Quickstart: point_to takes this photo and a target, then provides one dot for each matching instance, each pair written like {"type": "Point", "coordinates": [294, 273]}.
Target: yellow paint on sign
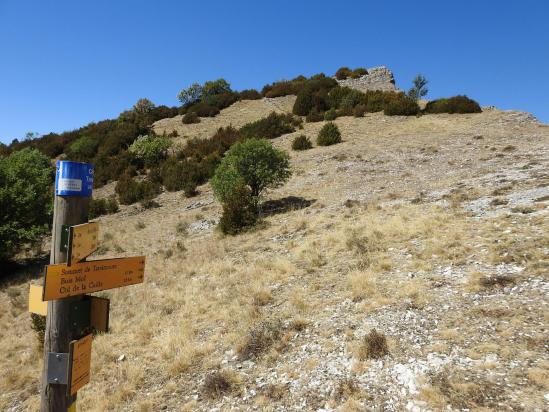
{"type": "Point", "coordinates": [62, 281]}
{"type": "Point", "coordinates": [36, 304]}
{"type": "Point", "coordinates": [80, 362]}
{"type": "Point", "coordinates": [83, 241]}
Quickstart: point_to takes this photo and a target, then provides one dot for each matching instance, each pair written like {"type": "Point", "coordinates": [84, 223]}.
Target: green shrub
{"type": "Point", "coordinates": [143, 106]}
{"type": "Point", "coordinates": [249, 94]}
{"type": "Point", "coordinates": [359, 110]}
{"type": "Point", "coordinates": [239, 211]}
{"type": "Point", "coordinates": [99, 207]}
{"type": "Point", "coordinates": [26, 195]}
{"type": "Point", "coordinates": [189, 189]}
{"type": "Point", "coordinates": [203, 109]}
{"type": "Point", "coordinates": [284, 87]}
{"type": "Point", "coordinates": [38, 325]}
{"type": "Point", "coordinates": [83, 149]}
{"type": "Point", "coordinates": [176, 174]}
{"type": "Point", "coordinates": [404, 106]}
{"type": "Point", "coordinates": [359, 72]}
{"type": "Point", "coordinates": [301, 142]}
{"type": "Point", "coordinates": [351, 99]}
{"type": "Point", "coordinates": [216, 145]}
{"type": "Point", "coordinates": [109, 168]}
{"type": "Point", "coordinates": [328, 135]}
{"type": "Point", "coordinates": [274, 125]}
{"type": "Point", "coordinates": [304, 102]}
{"type": "Point", "coordinates": [254, 162]}
{"type": "Point", "coordinates": [190, 118]}
{"type": "Point", "coordinates": [151, 150]}
{"type": "Point", "coordinates": [314, 116]}
{"type": "Point", "coordinates": [375, 101]}
{"type": "Point", "coordinates": [130, 190]}
{"type": "Point", "coordinates": [222, 100]}
{"type": "Point", "coordinates": [330, 115]}
{"type": "Point", "coordinates": [455, 104]}
{"type": "Point", "coordinates": [345, 111]}
{"type": "Point", "coordinates": [215, 87]}
{"type": "Point", "coordinates": [342, 73]}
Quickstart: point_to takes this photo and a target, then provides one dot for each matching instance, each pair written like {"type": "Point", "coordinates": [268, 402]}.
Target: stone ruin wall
{"type": "Point", "coordinates": [378, 78]}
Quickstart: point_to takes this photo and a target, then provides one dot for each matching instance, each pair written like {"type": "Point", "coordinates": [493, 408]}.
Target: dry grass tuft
{"type": "Point", "coordinates": [462, 396]}
{"type": "Point", "coordinates": [374, 346]}
{"type": "Point", "coordinates": [260, 339]}
{"type": "Point", "coordinates": [345, 389]}
{"type": "Point", "coordinates": [275, 392]}
{"type": "Point", "coordinates": [219, 383]}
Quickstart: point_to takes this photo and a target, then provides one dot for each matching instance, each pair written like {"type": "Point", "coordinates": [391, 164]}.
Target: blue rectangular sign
{"type": "Point", "coordinates": [73, 179]}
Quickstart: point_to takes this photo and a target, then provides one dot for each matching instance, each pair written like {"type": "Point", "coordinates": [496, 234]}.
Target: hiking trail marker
{"type": "Point", "coordinates": [71, 314]}
{"type": "Point", "coordinates": [82, 241]}
{"type": "Point", "coordinates": [62, 281]}
{"type": "Point", "coordinates": [79, 364]}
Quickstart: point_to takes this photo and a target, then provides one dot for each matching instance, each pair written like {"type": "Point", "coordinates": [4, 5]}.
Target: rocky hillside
{"type": "Point", "coordinates": [403, 269]}
{"type": "Point", "coordinates": [378, 78]}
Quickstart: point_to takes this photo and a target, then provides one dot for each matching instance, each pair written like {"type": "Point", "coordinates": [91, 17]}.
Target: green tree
{"type": "Point", "coordinates": [213, 87]}
{"type": "Point", "coordinates": [83, 149]}
{"type": "Point", "coordinates": [150, 149]}
{"type": "Point", "coordinates": [143, 106]}
{"type": "Point", "coordinates": [190, 95]}
{"type": "Point", "coordinates": [256, 163]}
{"type": "Point", "coordinates": [419, 88]}
{"type": "Point", "coordinates": [26, 178]}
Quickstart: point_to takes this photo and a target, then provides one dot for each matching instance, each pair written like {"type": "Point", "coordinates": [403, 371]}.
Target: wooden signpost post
{"type": "Point", "coordinates": [70, 313]}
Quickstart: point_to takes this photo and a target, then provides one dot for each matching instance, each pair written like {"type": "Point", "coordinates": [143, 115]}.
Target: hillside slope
{"type": "Point", "coordinates": [238, 114]}
{"type": "Point", "coordinates": [433, 231]}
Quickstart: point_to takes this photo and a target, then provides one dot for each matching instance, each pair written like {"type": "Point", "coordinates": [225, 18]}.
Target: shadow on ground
{"type": "Point", "coordinates": [286, 204]}
{"type": "Point", "coordinates": [21, 271]}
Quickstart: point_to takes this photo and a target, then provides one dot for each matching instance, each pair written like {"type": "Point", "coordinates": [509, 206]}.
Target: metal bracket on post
{"type": "Point", "coordinates": [58, 368]}
{"type": "Point", "coordinates": [65, 230]}
{"type": "Point", "coordinates": [80, 316]}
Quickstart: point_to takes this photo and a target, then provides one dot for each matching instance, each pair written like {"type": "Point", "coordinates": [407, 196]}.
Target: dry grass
{"type": "Point", "coordinates": [316, 275]}
{"type": "Point", "coordinates": [374, 346]}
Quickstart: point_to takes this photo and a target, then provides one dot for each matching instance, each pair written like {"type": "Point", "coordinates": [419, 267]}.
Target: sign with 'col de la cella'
{"type": "Point", "coordinates": [73, 178]}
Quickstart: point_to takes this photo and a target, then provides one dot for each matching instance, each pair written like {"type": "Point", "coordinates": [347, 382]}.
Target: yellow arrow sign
{"type": "Point", "coordinates": [83, 241]}
{"type": "Point", "coordinates": [62, 281]}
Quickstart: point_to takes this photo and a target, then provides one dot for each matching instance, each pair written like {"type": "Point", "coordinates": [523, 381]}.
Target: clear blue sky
{"type": "Point", "coordinates": [64, 63]}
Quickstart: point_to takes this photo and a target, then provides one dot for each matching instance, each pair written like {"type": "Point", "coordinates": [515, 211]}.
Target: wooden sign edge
{"type": "Point", "coordinates": [72, 343]}
{"type": "Point", "coordinates": [44, 312]}
{"type": "Point", "coordinates": [69, 242]}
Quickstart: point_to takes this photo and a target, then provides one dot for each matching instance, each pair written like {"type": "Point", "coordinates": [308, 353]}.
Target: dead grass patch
{"type": "Point", "coordinates": [219, 383]}
{"type": "Point", "coordinates": [460, 394]}
{"type": "Point", "coordinates": [374, 346]}
{"type": "Point", "coordinates": [260, 339]}
{"type": "Point", "coordinates": [345, 389]}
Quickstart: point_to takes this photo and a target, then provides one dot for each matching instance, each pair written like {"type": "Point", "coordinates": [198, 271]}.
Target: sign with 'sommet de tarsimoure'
{"type": "Point", "coordinates": [62, 281]}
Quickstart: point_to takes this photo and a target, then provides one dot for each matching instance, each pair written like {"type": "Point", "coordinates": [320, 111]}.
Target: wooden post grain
{"type": "Point", "coordinates": [68, 210]}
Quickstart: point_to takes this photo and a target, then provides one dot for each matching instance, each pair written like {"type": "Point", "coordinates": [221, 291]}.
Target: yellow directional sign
{"type": "Point", "coordinates": [79, 363]}
{"type": "Point", "coordinates": [36, 304]}
{"type": "Point", "coordinates": [83, 241]}
{"type": "Point", "coordinates": [62, 281]}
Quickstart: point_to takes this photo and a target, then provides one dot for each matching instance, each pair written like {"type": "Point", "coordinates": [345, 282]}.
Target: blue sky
{"type": "Point", "coordinates": [64, 64]}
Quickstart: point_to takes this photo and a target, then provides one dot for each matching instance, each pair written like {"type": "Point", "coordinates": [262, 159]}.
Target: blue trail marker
{"type": "Point", "coordinates": [73, 179]}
